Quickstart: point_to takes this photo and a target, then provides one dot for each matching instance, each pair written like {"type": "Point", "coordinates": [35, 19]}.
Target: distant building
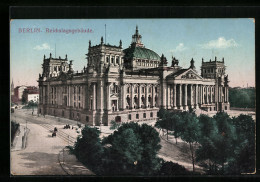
{"type": "Point", "coordinates": [129, 84]}
{"type": "Point", "coordinates": [12, 88]}
{"type": "Point", "coordinates": [18, 92]}
{"type": "Point", "coordinates": [31, 94]}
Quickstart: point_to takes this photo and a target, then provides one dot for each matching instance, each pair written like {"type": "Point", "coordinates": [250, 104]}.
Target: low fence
{"type": "Point", "coordinates": [242, 109]}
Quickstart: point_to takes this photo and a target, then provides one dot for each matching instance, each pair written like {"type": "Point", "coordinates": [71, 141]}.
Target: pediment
{"type": "Point", "coordinates": [114, 96]}
{"type": "Point", "coordinates": [189, 74]}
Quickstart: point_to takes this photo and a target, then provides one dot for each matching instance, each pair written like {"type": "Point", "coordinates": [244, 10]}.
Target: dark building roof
{"type": "Point", "coordinates": [140, 52]}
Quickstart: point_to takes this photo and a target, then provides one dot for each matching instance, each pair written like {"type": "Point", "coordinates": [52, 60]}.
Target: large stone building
{"type": "Point", "coordinates": [128, 85]}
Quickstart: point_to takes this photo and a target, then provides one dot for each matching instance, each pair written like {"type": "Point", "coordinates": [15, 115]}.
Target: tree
{"type": "Point", "coordinates": [191, 134]}
{"type": "Point", "coordinates": [244, 159]}
{"type": "Point", "coordinates": [137, 147]}
{"type": "Point", "coordinates": [225, 142]}
{"type": "Point", "coordinates": [170, 169]}
{"type": "Point", "coordinates": [165, 121]}
{"type": "Point", "coordinates": [114, 125]}
{"type": "Point", "coordinates": [207, 148]}
{"type": "Point", "coordinates": [177, 126]}
{"type": "Point", "coordinates": [88, 149]}
{"type": "Point", "coordinates": [208, 126]}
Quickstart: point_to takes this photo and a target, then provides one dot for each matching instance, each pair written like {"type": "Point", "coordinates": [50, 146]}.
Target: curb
{"type": "Point", "coordinates": [69, 169]}
{"type": "Point", "coordinates": [62, 164]}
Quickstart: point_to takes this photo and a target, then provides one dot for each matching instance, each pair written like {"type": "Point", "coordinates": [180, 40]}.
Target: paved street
{"type": "Point", "coordinates": [40, 157]}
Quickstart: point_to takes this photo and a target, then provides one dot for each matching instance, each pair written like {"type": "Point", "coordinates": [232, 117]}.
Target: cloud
{"type": "Point", "coordinates": [179, 48]}
{"type": "Point", "coordinates": [220, 43]}
{"type": "Point", "coordinates": [44, 46]}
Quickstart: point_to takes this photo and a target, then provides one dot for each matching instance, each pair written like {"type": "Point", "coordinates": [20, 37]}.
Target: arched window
{"type": "Point", "coordinates": [135, 89]}
{"type": "Point", "coordinates": [150, 89]}
{"type": "Point", "coordinates": [128, 100]}
{"type": "Point", "coordinates": [135, 100]}
{"type": "Point", "coordinates": [118, 119]}
{"type": "Point", "coordinates": [149, 99]}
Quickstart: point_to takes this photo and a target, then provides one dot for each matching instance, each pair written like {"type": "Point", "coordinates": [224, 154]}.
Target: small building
{"type": "Point", "coordinates": [31, 94]}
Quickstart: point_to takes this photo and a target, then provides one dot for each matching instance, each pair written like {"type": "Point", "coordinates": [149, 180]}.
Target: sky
{"type": "Point", "coordinates": [233, 39]}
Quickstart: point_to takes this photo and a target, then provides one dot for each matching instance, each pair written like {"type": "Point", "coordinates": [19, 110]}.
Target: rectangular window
{"type": "Point", "coordinates": [137, 116]}
{"type": "Point", "coordinates": [144, 115]}
{"type": "Point", "coordinates": [151, 114]}
{"type": "Point", "coordinates": [79, 97]}
{"type": "Point", "coordinates": [87, 118]}
{"type": "Point", "coordinates": [74, 104]}
{"type": "Point", "coordinates": [79, 105]}
{"type": "Point", "coordinates": [142, 89]}
{"type": "Point", "coordinates": [129, 116]}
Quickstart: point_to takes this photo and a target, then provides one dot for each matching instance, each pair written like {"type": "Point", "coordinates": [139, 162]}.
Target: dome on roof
{"type": "Point", "coordinates": [140, 52]}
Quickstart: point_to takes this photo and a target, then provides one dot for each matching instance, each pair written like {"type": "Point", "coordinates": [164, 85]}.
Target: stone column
{"type": "Point", "coordinates": [180, 96]}
{"type": "Point", "coordinates": [174, 96]}
{"type": "Point", "coordinates": [108, 96]}
{"type": "Point", "coordinates": [202, 94]}
{"type": "Point", "coordinates": [197, 96]}
{"type": "Point", "coordinates": [185, 97]}
{"type": "Point", "coordinates": [220, 94]}
{"type": "Point", "coordinates": [168, 96]}
{"type": "Point", "coordinates": [207, 93]}
{"type": "Point", "coordinates": [139, 97]}
{"type": "Point", "coordinates": [100, 96]}
{"type": "Point", "coordinates": [132, 97]}
{"type": "Point", "coordinates": [94, 97]}
{"type": "Point", "coordinates": [146, 96]}
{"type": "Point", "coordinates": [191, 96]}
{"type": "Point", "coordinates": [171, 96]}
{"type": "Point", "coordinates": [153, 95]}
{"type": "Point", "coordinates": [227, 95]}
{"type": "Point", "coordinates": [123, 96]}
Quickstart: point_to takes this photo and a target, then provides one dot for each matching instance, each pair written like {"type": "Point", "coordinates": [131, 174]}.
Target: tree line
{"type": "Point", "coordinates": [131, 150]}
{"type": "Point", "coordinates": [242, 98]}
{"type": "Point", "coordinates": [223, 145]}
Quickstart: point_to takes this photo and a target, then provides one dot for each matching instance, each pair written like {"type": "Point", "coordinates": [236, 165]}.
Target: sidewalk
{"type": "Point", "coordinates": [19, 142]}
{"type": "Point", "coordinates": [71, 165]}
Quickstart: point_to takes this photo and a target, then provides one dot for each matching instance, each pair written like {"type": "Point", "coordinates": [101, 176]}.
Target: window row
{"type": "Point", "coordinates": [136, 89]}
{"type": "Point", "coordinates": [137, 116]}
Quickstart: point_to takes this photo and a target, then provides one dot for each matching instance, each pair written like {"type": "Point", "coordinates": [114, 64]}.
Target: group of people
{"type": "Point", "coordinates": [67, 126]}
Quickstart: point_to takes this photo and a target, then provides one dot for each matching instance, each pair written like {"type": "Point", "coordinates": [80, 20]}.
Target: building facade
{"type": "Point", "coordinates": [129, 84]}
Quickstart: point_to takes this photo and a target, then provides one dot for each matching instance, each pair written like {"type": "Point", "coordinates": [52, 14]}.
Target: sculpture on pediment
{"type": "Point", "coordinates": [189, 75]}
